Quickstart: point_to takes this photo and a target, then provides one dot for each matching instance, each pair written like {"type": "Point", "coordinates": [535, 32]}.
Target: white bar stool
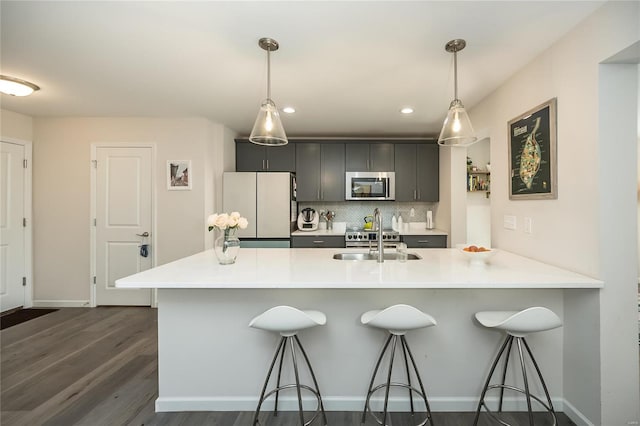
{"type": "Point", "coordinates": [287, 321]}
{"type": "Point", "coordinates": [397, 320]}
{"type": "Point", "coordinates": [517, 324]}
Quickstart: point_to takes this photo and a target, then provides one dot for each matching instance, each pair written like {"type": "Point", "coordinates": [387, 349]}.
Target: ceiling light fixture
{"type": "Point", "coordinates": [16, 87]}
{"type": "Point", "coordinates": [407, 110]}
{"type": "Point", "coordinates": [289, 110]}
{"type": "Point", "coordinates": [457, 129]}
{"type": "Point", "coordinates": [268, 129]}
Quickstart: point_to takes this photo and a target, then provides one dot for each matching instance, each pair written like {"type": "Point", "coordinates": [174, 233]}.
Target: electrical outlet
{"type": "Point", "coordinates": [412, 212]}
{"type": "Point", "coordinates": [528, 225]}
{"type": "Point", "coordinates": [510, 222]}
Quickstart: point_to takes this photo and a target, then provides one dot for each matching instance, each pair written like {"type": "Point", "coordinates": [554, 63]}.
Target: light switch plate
{"type": "Point", "coordinates": [528, 225]}
{"type": "Point", "coordinates": [510, 222]}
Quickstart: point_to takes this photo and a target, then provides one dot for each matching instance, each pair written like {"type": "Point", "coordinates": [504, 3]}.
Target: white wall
{"type": "Point", "coordinates": [478, 204]}
{"type": "Point", "coordinates": [15, 126]}
{"type": "Point", "coordinates": [61, 174]}
{"type": "Point", "coordinates": [451, 214]}
{"type": "Point", "coordinates": [220, 157]}
{"type": "Point", "coordinates": [567, 231]}
{"type": "Point", "coordinates": [618, 256]}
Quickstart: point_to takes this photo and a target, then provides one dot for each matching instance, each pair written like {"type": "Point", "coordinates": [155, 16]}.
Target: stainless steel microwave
{"type": "Point", "coordinates": [370, 186]}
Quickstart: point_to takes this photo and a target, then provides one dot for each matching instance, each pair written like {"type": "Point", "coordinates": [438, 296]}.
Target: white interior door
{"type": "Point", "coordinates": [12, 231]}
{"type": "Point", "coordinates": [123, 216]}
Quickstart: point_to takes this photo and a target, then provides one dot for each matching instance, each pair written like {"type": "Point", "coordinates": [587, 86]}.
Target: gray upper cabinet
{"type": "Point", "coordinates": [332, 165]}
{"type": "Point", "coordinates": [417, 172]}
{"type": "Point", "coordinates": [320, 171]}
{"type": "Point", "coordinates": [369, 157]}
{"type": "Point", "coordinates": [259, 158]}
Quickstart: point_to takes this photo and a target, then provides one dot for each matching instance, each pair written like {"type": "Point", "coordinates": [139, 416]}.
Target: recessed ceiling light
{"type": "Point", "coordinates": [289, 110]}
{"type": "Point", "coordinates": [407, 110]}
{"type": "Point", "coordinates": [16, 87]}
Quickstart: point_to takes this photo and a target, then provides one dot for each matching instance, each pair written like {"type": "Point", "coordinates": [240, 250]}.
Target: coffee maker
{"type": "Point", "coordinates": [308, 219]}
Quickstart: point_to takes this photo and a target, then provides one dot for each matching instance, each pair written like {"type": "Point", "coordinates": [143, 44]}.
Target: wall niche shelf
{"type": "Point", "coordinates": [479, 181]}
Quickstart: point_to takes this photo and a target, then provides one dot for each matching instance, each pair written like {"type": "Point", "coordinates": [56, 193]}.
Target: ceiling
{"type": "Point", "coordinates": [347, 67]}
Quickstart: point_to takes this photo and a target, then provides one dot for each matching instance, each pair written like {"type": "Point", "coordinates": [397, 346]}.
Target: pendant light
{"type": "Point", "coordinates": [16, 87]}
{"type": "Point", "coordinates": [457, 129]}
{"type": "Point", "coordinates": [268, 129]}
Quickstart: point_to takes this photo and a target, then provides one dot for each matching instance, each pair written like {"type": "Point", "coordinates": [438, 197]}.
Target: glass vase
{"type": "Point", "coordinates": [226, 247]}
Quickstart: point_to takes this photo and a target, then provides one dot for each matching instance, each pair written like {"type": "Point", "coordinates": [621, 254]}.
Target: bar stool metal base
{"type": "Point", "coordinates": [508, 343]}
{"type": "Point", "coordinates": [291, 342]}
{"type": "Point", "coordinates": [407, 355]}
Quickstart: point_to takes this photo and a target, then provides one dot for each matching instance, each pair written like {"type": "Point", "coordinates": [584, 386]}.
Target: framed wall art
{"type": "Point", "coordinates": [533, 169]}
{"type": "Point", "coordinates": [179, 175]}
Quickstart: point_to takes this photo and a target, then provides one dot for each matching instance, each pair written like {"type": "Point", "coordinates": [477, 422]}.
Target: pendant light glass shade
{"type": "Point", "coordinates": [457, 129]}
{"type": "Point", "coordinates": [16, 87]}
{"type": "Point", "coordinates": [268, 130]}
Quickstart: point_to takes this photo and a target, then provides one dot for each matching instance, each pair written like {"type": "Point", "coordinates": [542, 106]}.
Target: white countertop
{"type": "Point", "coordinates": [314, 268]}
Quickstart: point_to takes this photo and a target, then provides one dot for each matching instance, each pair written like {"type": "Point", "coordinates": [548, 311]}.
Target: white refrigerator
{"type": "Point", "coordinates": [267, 200]}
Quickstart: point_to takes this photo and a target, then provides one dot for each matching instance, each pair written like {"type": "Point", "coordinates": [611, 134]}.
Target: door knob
{"type": "Point", "coordinates": [144, 234]}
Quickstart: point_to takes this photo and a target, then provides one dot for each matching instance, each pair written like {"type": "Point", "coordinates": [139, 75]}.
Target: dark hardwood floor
{"type": "Point", "coordinates": [93, 367]}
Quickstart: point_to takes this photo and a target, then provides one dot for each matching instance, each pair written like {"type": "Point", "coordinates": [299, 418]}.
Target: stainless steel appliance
{"type": "Point", "coordinates": [364, 238]}
{"type": "Point", "coordinates": [308, 219]}
{"type": "Point", "coordinates": [370, 186]}
{"type": "Point", "coordinates": [267, 200]}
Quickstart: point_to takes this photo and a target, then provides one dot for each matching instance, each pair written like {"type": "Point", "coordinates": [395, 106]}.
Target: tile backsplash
{"type": "Point", "coordinates": [353, 212]}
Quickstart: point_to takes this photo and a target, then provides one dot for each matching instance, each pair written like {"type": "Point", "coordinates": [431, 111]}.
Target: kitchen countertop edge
{"type": "Point", "coordinates": [273, 268]}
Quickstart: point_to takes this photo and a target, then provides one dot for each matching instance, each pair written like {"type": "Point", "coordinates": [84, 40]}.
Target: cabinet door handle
{"type": "Point", "coordinates": [318, 242]}
{"type": "Point", "coordinates": [415, 194]}
{"type": "Point", "coordinates": [318, 196]}
{"type": "Point", "coordinates": [263, 164]}
{"type": "Point", "coordinates": [267, 164]}
{"type": "Point", "coordinates": [419, 195]}
{"type": "Point", "coordinates": [423, 241]}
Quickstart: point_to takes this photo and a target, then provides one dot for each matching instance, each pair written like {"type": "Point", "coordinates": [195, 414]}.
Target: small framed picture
{"type": "Point", "coordinates": [179, 175]}
{"type": "Point", "coordinates": [533, 169]}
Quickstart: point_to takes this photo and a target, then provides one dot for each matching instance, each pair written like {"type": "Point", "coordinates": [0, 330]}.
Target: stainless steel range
{"type": "Point", "coordinates": [362, 238]}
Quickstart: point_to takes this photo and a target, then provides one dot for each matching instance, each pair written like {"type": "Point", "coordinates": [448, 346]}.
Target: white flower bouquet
{"type": "Point", "coordinates": [226, 222]}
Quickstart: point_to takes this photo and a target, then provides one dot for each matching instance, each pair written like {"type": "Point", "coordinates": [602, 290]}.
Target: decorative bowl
{"type": "Point", "coordinates": [478, 257]}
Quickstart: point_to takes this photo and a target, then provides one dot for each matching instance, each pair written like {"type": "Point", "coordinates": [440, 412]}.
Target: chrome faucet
{"type": "Point", "coordinates": [377, 220]}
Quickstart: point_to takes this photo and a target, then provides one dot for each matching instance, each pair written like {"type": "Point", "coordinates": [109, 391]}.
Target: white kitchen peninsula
{"type": "Point", "coordinates": [209, 359]}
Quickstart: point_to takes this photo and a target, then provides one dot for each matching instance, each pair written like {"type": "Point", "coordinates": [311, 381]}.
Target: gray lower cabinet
{"type": "Point", "coordinates": [259, 158]}
{"type": "Point", "coordinates": [332, 241]}
{"type": "Point", "coordinates": [320, 172]}
{"type": "Point", "coordinates": [417, 172]}
{"type": "Point", "coordinates": [425, 241]}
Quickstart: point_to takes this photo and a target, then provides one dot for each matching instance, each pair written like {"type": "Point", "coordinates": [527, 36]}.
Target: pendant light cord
{"type": "Point", "coordinates": [269, 73]}
{"type": "Point", "coordinates": [455, 74]}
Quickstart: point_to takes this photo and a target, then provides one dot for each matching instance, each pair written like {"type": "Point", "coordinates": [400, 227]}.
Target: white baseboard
{"type": "Point", "coordinates": [61, 304]}
{"type": "Point", "coordinates": [290, 403]}
{"type": "Point", "coordinates": [576, 416]}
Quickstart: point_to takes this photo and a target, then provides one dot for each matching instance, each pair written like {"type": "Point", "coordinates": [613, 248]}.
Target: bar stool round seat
{"type": "Point", "coordinates": [397, 320]}
{"type": "Point", "coordinates": [288, 321]}
{"type": "Point", "coordinates": [520, 323]}
{"type": "Point", "coordinates": [517, 325]}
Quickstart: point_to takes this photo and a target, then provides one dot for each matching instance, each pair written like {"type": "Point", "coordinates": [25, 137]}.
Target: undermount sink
{"type": "Point", "coordinates": [372, 256]}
